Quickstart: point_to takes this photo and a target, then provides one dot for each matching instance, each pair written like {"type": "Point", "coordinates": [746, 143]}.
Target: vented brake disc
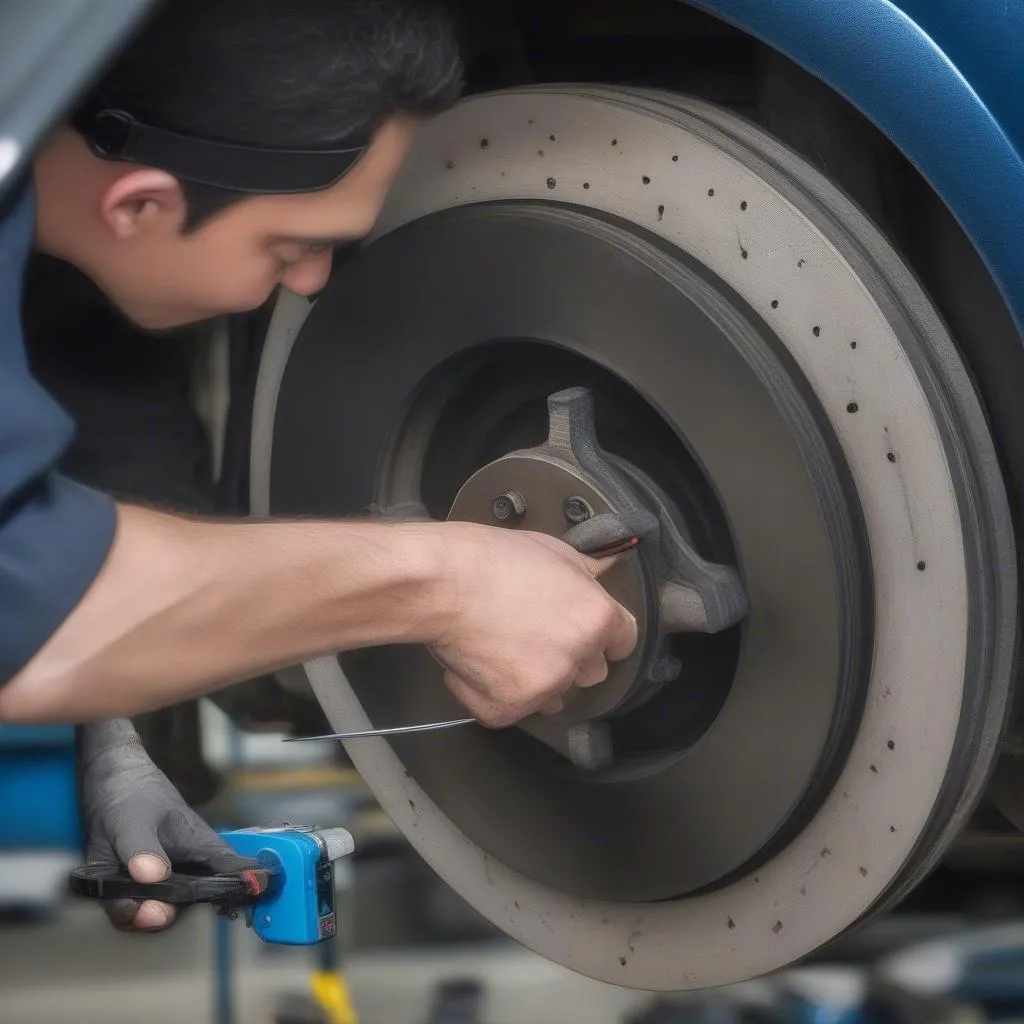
{"type": "Point", "coordinates": [769, 384]}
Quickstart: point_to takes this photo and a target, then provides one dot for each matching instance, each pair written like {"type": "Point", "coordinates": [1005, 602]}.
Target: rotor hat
{"type": "Point", "coordinates": [117, 135]}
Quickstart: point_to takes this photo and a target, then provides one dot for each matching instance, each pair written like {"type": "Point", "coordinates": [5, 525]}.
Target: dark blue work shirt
{"type": "Point", "coordinates": [54, 534]}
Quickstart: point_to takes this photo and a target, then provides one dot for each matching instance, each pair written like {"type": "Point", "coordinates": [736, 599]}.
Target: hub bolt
{"type": "Point", "coordinates": [508, 506]}
{"type": "Point", "coordinates": [577, 509]}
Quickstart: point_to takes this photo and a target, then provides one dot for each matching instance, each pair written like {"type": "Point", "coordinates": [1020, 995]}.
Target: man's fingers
{"type": "Point", "coordinates": [593, 671]}
{"type": "Point", "coordinates": [492, 714]}
{"type": "Point", "coordinates": [133, 916]}
{"type": "Point", "coordinates": [153, 916]}
{"type": "Point", "coordinates": [622, 636]}
{"type": "Point", "coordinates": [145, 866]}
{"type": "Point", "coordinates": [599, 566]}
{"type": "Point", "coordinates": [148, 867]}
{"type": "Point", "coordinates": [469, 697]}
{"type": "Point", "coordinates": [121, 913]}
{"type": "Point", "coordinates": [553, 706]}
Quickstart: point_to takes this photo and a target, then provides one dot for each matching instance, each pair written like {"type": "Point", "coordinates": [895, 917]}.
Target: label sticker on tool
{"type": "Point", "coordinates": [327, 925]}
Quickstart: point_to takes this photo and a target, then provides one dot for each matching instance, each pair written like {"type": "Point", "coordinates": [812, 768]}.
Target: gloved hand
{"type": "Point", "coordinates": [135, 818]}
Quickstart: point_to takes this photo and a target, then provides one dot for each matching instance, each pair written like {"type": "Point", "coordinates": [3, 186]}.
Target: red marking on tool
{"type": "Point", "coordinates": [254, 885]}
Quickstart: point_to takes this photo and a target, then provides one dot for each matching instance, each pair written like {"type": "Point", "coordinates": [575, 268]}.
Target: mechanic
{"type": "Point", "coordinates": [111, 608]}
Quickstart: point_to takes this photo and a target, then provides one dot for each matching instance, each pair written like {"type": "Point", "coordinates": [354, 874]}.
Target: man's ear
{"type": "Point", "coordinates": [141, 200]}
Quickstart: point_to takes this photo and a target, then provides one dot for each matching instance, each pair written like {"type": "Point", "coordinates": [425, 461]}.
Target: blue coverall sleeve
{"type": "Point", "coordinates": [55, 535]}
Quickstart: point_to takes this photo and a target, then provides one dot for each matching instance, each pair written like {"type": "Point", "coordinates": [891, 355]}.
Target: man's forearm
{"type": "Point", "coordinates": [183, 607]}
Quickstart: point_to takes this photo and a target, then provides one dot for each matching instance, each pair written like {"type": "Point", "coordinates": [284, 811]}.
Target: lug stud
{"type": "Point", "coordinates": [577, 510]}
{"type": "Point", "coordinates": [508, 506]}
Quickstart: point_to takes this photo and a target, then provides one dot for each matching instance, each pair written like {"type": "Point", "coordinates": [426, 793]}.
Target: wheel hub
{"type": "Point", "coordinates": [569, 487]}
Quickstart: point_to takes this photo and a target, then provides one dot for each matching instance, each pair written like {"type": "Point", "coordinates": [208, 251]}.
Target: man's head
{"type": "Point", "coordinates": [273, 74]}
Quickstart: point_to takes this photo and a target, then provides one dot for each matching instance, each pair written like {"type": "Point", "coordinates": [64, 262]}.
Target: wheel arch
{"type": "Point", "coordinates": [830, 44]}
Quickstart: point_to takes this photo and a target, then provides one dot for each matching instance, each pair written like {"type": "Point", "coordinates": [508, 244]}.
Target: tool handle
{"type": "Point", "coordinates": [227, 892]}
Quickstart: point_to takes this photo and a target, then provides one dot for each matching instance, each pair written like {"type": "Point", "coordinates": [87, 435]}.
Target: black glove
{"type": "Point", "coordinates": [135, 818]}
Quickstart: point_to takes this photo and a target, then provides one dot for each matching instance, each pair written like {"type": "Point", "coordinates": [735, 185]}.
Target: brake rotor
{"type": "Point", "coordinates": [756, 350]}
{"type": "Point", "coordinates": [758, 440]}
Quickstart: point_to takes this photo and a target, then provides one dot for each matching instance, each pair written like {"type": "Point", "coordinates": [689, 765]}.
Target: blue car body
{"type": "Point", "coordinates": [943, 79]}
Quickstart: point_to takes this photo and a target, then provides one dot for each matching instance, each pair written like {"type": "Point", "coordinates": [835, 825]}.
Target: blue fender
{"type": "Point", "coordinates": [943, 79]}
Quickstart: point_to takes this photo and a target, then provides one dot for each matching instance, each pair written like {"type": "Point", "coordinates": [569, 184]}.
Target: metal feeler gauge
{"type": "Point", "coordinates": [395, 731]}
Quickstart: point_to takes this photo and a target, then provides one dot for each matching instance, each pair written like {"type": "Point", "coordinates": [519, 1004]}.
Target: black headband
{"type": "Point", "coordinates": [116, 135]}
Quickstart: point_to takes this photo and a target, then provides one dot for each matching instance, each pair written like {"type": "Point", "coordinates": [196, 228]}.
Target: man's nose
{"type": "Point", "coordinates": [309, 275]}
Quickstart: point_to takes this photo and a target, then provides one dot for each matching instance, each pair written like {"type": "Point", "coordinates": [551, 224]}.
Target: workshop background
{"type": "Point", "coordinates": [408, 950]}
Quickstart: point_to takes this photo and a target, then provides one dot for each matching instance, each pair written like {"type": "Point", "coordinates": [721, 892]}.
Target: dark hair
{"type": "Point", "coordinates": [289, 73]}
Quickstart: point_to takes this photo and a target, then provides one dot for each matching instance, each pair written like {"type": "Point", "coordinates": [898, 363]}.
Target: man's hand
{"type": "Point", "coordinates": [184, 607]}
{"type": "Point", "coordinates": [134, 817]}
{"type": "Point", "coordinates": [522, 620]}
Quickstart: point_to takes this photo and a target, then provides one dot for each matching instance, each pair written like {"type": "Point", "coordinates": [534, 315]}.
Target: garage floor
{"type": "Point", "coordinates": [81, 970]}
